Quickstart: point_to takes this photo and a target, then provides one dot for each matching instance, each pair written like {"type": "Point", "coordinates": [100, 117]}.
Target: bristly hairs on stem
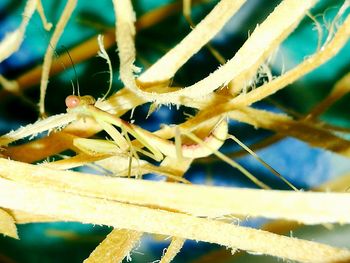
{"type": "Point", "coordinates": [103, 54]}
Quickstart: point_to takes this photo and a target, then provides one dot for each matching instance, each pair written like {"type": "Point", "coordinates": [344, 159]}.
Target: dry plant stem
{"type": "Point", "coordinates": [115, 247]}
{"type": "Point", "coordinates": [154, 16]}
{"type": "Point", "coordinates": [40, 9]}
{"type": "Point", "coordinates": [68, 10]}
{"type": "Point", "coordinates": [256, 49]}
{"type": "Point", "coordinates": [7, 225]}
{"type": "Point", "coordinates": [92, 210]}
{"type": "Point", "coordinates": [25, 218]}
{"type": "Point", "coordinates": [186, 10]}
{"type": "Point", "coordinates": [173, 249]}
{"type": "Point", "coordinates": [10, 85]}
{"type": "Point", "coordinates": [205, 201]}
{"type": "Point", "coordinates": [280, 226]}
{"type": "Point", "coordinates": [13, 40]}
{"type": "Point", "coordinates": [181, 166]}
{"type": "Point", "coordinates": [125, 32]}
{"type": "Point", "coordinates": [129, 238]}
{"type": "Point", "coordinates": [339, 184]}
{"type": "Point", "coordinates": [42, 148]}
{"type": "Point", "coordinates": [283, 124]}
{"type": "Point", "coordinates": [166, 67]}
{"type": "Point", "coordinates": [220, 255]}
{"type": "Point", "coordinates": [326, 53]}
{"type": "Point", "coordinates": [53, 122]}
{"type": "Point", "coordinates": [341, 88]}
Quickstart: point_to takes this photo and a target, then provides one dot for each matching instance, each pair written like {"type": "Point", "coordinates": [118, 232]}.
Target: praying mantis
{"type": "Point", "coordinates": [145, 142]}
{"type": "Point", "coordinates": [158, 147]}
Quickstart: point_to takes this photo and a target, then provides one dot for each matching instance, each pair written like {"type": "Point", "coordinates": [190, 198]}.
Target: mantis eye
{"type": "Point", "coordinates": [72, 101]}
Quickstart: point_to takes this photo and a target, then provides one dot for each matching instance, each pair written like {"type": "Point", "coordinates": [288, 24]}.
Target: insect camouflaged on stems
{"type": "Point", "coordinates": [83, 106]}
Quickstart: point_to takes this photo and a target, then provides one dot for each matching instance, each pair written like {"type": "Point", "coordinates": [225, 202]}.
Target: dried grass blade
{"type": "Point", "coordinates": [244, 64]}
{"type": "Point", "coordinates": [53, 122]}
{"type": "Point", "coordinates": [166, 67]}
{"type": "Point", "coordinates": [47, 25]}
{"type": "Point", "coordinates": [173, 249]}
{"type": "Point", "coordinates": [12, 41]}
{"type": "Point", "coordinates": [322, 56]}
{"type": "Point", "coordinates": [313, 135]}
{"type": "Point", "coordinates": [25, 218]}
{"type": "Point", "coordinates": [116, 246]}
{"type": "Point", "coordinates": [68, 10]}
{"type": "Point", "coordinates": [7, 225]}
{"type": "Point", "coordinates": [341, 88]}
{"type": "Point", "coordinates": [305, 207]}
{"type": "Point", "coordinates": [92, 210]}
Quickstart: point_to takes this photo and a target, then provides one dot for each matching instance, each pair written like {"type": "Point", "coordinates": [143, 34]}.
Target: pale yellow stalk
{"type": "Point", "coordinates": [69, 8]}
{"type": "Point", "coordinates": [7, 225]}
{"type": "Point", "coordinates": [69, 206]}
{"type": "Point", "coordinates": [283, 124]}
{"type": "Point", "coordinates": [13, 40]}
{"type": "Point", "coordinates": [174, 248]}
{"type": "Point", "coordinates": [53, 122]}
{"type": "Point", "coordinates": [115, 247]}
{"type": "Point", "coordinates": [256, 49]}
{"type": "Point", "coordinates": [341, 88]}
{"type": "Point", "coordinates": [194, 199]}
{"type": "Point", "coordinates": [47, 25]}
{"type": "Point", "coordinates": [166, 67]}
{"type": "Point", "coordinates": [323, 55]}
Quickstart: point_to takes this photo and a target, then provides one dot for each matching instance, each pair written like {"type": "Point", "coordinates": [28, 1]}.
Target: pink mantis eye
{"type": "Point", "coordinates": [72, 101]}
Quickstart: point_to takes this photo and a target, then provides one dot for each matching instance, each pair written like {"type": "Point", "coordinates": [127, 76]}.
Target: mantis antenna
{"type": "Point", "coordinates": [75, 71]}
{"type": "Point", "coordinates": [73, 101]}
